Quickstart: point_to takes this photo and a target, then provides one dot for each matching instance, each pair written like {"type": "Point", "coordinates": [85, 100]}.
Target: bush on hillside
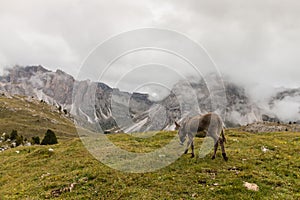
{"type": "Point", "coordinates": [13, 135]}
{"type": "Point", "coordinates": [6, 136]}
{"type": "Point", "coordinates": [19, 140]}
{"type": "Point", "coordinates": [65, 111]}
{"type": "Point", "coordinates": [36, 140]}
{"type": "Point", "coordinates": [50, 138]}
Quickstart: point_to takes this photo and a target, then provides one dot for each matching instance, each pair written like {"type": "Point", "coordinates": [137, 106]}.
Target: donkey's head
{"type": "Point", "coordinates": [181, 133]}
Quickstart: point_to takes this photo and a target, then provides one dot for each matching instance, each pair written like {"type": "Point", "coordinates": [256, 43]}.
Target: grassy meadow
{"type": "Point", "coordinates": [71, 172]}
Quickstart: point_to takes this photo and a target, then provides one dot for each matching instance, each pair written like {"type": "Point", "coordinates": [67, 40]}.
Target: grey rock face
{"type": "Point", "coordinates": [53, 87]}
{"type": "Point", "coordinates": [268, 118]}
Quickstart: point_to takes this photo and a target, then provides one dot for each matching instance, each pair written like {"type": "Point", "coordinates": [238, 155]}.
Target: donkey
{"type": "Point", "coordinates": [211, 123]}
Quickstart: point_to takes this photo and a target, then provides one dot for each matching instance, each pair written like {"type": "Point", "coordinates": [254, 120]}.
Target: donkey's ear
{"type": "Point", "coordinates": [177, 126]}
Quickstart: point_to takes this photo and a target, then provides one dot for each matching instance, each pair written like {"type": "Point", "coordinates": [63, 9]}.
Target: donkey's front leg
{"type": "Point", "coordinates": [215, 150]}
{"type": "Point", "coordinates": [188, 145]}
{"type": "Point", "coordinates": [190, 142]}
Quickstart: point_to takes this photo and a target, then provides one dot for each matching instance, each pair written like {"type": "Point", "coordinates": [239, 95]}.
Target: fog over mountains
{"type": "Point", "coordinates": [97, 103]}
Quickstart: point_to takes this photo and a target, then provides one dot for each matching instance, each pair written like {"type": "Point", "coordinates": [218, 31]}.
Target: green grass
{"type": "Point", "coordinates": [276, 172]}
{"type": "Point", "coordinates": [31, 118]}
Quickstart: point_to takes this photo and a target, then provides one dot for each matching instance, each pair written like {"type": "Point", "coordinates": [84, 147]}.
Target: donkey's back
{"type": "Point", "coordinates": [211, 122]}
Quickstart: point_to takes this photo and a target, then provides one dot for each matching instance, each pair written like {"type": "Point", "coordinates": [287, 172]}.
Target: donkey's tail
{"type": "Point", "coordinates": [223, 135]}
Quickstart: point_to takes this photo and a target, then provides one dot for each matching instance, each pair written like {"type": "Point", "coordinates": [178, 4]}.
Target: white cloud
{"type": "Point", "coordinates": [255, 42]}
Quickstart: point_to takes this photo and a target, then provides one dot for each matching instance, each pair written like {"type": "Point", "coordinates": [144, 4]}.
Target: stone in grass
{"type": "Point", "coordinates": [264, 149]}
{"type": "Point", "coordinates": [251, 186]}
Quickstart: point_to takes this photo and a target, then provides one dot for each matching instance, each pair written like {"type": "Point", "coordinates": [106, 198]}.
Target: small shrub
{"type": "Point", "coordinates": [59, 108]}
{"type": "Point", "coordinates": [6, 136]}
{"type": "Point", "coordinates": [19, 140]}
{"type": "Point", "coordinates": [50, 138]}
{"type": "Point", "coordinates": [35, 140]}
{"type": "Point", "coordinates": [13, 135]}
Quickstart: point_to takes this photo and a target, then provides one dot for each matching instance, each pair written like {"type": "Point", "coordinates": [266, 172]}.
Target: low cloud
{"type": "Point", "coordinates": [254, 43]}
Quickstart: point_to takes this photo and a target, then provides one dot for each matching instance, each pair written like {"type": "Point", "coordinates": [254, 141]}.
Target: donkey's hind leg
{"type": "Point", "coordinates": [223, 149]}
{"type": "Point", "coordinates": [215, 150]}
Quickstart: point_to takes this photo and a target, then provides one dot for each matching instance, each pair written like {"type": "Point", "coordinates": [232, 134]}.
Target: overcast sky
{"type": "Point", "coordinates": [255, 42]}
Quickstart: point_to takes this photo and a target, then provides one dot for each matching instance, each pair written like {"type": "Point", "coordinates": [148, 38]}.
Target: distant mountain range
{"type": "Point", "coordinates": [97, 104]}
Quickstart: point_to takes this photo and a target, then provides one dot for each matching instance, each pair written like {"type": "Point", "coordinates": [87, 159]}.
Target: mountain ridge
{"type": "Point", "coordinates": [98, 103]}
